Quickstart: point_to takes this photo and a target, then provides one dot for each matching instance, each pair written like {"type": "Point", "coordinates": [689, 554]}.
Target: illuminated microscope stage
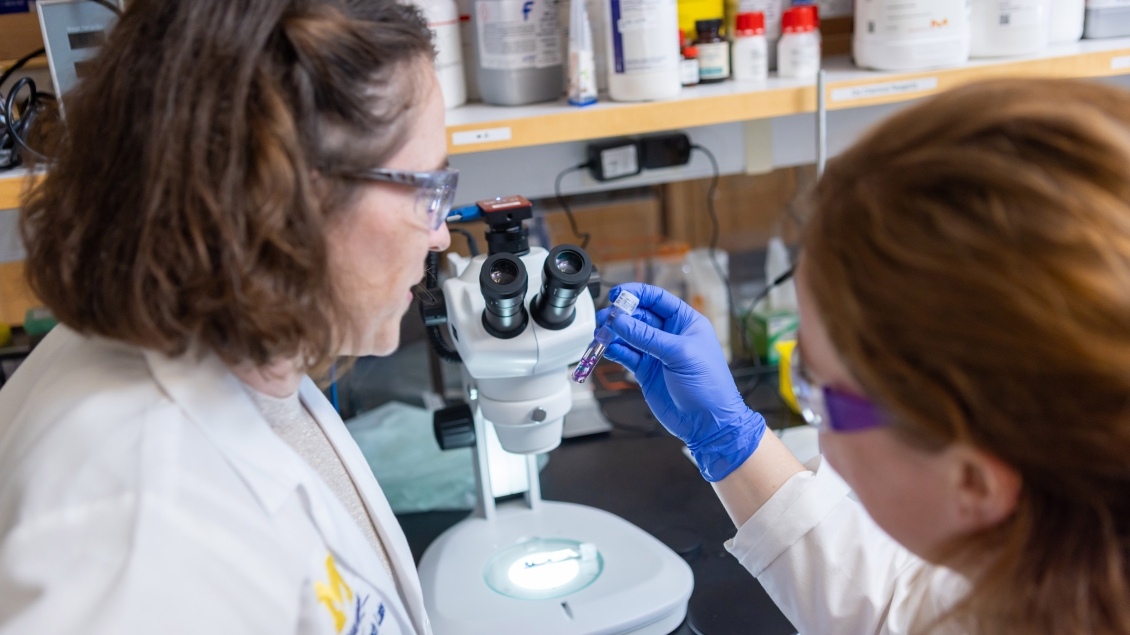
{"type": "Point", "coordinates": [641, 587]}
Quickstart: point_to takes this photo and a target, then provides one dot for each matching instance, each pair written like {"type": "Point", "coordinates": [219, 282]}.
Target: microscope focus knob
{"type": "Point", "coordinates": [454, 427]}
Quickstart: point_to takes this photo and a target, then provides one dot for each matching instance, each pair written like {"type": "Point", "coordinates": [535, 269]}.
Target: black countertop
{"type": "Point", "coordinates": [640, 473]}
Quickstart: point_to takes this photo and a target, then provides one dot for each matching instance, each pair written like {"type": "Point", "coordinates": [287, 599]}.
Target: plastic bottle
{"type": "Point", "coordinates": [643, 55]}
{"type": "Point", "coordinates": [688, 67]}
{"type": "Point", "coordinates": [904, 35]}
{"type": "Point", "coordinates": [1008, 27]}
{"type": "Point", "coordinates": [518, 51]}
{"type": "Point", "coordinates": [467, 39]}
{"type": "Point", "coordinates": [582, 69]}
{"type": "Point", "coordinates": [798, 51]}
{"type": "Point", "coordinates": [1107, 18]}
{"type": "Point", "coordinates": [443, 22]}
{"type": "Point", "coordinates": [1065, 21]}
{"type": "Point", "coordinates": [596, 24]}
{"type": "Point", "coordinates": [772, 10]}
{"type": "Point", "coordinates": [751, 51]}
{"type": "Point", "coordinates": [713, 52]}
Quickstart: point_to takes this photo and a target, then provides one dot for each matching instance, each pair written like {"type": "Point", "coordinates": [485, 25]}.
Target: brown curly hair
{"type": "Point", "coordinates": [188, 201]}
{"type": "Point", "coordinates": [971, 260]}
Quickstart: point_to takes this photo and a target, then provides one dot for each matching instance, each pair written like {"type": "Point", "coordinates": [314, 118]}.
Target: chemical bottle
{"type": "Point", "coordinates": [713, 52]}
{"type": "Point", "coordinates": [707, 292]}
{"type": "Point", "coordinates": [798, 51]}
{"type": "Point", "coordinates": [1065, 21]}
{"type": "Point", "coordinates": [518, 51]}
{"type": "Point", "coordinates": [582, 70]}
{"type": "Point", "coordinates": [906, 35]}
{"type": "Point", "coordinates": [596, 23]}
{"type": "Point", "coordinates": [642, 52]}
{"type": "Point", "coordinates": [691, 11]}
{"type": "Point", "coordinates": [688, 66]}
{"type": "Point", "coordinates": [772, 9]}
{"type": "Point", "coordinates": [467, 39]}
{"type": "Point", "coordinates": [1008, 27]}
{"type": "Point", "coordinates": [751, 51]}
{"type": "Point", "coordinates": [443, 21]}
{"type": "Point", "coordinates": [1107, 18]}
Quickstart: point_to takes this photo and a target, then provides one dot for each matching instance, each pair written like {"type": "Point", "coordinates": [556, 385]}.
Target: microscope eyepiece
{"type": "Point", "coordinates": [565, 274]}
{"type": "Point", "coordinates": [503, 282]}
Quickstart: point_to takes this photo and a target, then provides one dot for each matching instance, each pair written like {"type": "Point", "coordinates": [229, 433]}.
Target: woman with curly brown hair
{"type": "Point", "coordinates": [246, 190]}
{"type": "Point", "coordinates": [964, 346]}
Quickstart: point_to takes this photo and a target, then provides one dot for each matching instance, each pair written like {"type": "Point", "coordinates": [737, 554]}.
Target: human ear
{"type": "Point", "coordinates": [986, 489]}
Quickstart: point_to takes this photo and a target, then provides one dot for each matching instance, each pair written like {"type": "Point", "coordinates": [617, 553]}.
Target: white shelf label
{"type": "Point", "coordinates": [885, 89]}
{"type": "Point", "coordinates": [1120, 62]}
{"type": "Point", "coordinates": [486, 135]}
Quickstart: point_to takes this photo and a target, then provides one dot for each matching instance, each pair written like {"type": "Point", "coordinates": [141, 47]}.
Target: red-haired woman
{"type": "Point", "coordinates": [247, 189]}
{"type": "Point", "coordinates": [964, 346]}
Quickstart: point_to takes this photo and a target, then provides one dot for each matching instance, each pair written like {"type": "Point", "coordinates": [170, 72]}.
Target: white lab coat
{"type": "Point", "coordinates": [145, 494]}
{"type": "Point", "coordinates": [832, 570]}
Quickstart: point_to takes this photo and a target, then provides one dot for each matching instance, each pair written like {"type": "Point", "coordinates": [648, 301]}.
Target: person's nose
{"type": "Point", "coordinates": [440, 239]}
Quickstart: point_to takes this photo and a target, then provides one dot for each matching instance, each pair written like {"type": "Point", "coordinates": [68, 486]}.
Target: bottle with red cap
{"type": "Point", "coordinates": [798, 50]}
{"type": "Point", "coordinates": [751, 50]}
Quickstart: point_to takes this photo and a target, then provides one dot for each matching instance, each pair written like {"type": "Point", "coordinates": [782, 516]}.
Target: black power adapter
{"type": "Point", "coordinates": [619, 158]}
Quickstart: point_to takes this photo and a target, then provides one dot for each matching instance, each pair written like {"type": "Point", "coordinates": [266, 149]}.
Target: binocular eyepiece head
{"type": "Point", "coordinates": [504, 282]}
{"type": "Point", "coordinates": [565, 274]}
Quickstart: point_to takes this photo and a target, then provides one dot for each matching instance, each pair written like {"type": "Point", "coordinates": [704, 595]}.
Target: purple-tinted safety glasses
{"type": "Point", "coordinates": [828, 408]}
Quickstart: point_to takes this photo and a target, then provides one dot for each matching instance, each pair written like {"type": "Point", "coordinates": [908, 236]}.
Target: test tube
{"type": "Point", "coordinates": [625, 303]}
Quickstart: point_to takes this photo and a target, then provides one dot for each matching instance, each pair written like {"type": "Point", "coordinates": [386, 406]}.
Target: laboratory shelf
{"type": "Point", "coordinates": [479, 127]}
{"type": "Point", "coordinates": [11, 185]}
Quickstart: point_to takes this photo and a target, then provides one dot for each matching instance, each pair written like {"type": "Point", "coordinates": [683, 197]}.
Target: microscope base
{"type": "Point", "coordinates": [643, 588]}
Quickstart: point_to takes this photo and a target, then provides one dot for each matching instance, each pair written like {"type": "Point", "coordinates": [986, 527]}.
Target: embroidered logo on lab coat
{"type": "Point", "coordinates": [353, 613]}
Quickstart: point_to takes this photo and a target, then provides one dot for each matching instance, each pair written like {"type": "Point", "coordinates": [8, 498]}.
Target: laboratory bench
{"type": "Point", "coordinates": [639, 472]}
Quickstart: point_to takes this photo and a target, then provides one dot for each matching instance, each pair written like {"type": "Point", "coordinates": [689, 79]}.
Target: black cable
{"type": "Point", "coordinates": [431, 281]}
{"type": "Point", "coordinates": [472, 243]}
{"type": "Point", "coordinates": [109, 6]}
{"type": "Point", "coordinates": [715, 232]}
{"type": "Point", "coordinates": [28, 116]}
{"type": "Point", "coordinates": [565, 206]}
{"type": "Point", "coordinates": [20, 63]}
{"type": "Point", "coordinates": [14, 157]}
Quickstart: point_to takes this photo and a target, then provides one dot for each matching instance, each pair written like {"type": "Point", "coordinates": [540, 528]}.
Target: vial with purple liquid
{"type": "Point", "coordinates": [625, 303]}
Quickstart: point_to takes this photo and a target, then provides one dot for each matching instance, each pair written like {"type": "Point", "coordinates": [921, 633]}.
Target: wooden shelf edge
{"type": "Point", "coordinates": [633, 119]}
{"type": "Point", "coordinates": [12, 187]}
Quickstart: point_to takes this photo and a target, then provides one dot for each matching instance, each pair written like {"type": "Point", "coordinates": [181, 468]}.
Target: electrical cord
{"type": "Point", "coordinates": [108, 5]}
{"type": "Point", "coordinates": [585, 236]}
{"type": "Point", "coordinates": [431, 280]}
{"type": "Point", "coordinates": [9, 129]}
{"type": "Point", "coordinates": [30, 111]}
{"type": "Point", "coordinates": [715, 232]}
{"type": "Point", "coordinates": [472, 243]}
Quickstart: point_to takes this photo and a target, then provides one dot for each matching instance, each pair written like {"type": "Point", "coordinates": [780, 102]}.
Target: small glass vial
{"type": "Point", "coordinates": [713, 52]}
{"type": "Point", "coordinates": [625, 304]}
{"type": "Point", "coordinates": [751, 50]}
{"type": "Point", "coordinates": [798, 51]}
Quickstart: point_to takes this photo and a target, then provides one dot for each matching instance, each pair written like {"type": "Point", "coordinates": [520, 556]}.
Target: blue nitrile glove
{"type": "Point", "coordinates": [675, 356]}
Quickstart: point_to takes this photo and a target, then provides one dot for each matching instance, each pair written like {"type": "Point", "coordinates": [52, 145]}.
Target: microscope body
{"type": "Point", "coordinates": [522, 381]}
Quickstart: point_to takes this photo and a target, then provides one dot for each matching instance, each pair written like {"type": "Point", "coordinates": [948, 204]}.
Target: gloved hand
{"type": "Point", "coordinates": [675, 356]}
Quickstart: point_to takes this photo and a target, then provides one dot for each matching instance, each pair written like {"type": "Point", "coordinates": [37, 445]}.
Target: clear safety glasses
{"type": "Point", "coordinates": [435, 190]}
{"type": "Point", "coordinates": [828, 408]}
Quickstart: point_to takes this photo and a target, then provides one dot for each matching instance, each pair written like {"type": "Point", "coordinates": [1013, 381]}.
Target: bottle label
{"type": "Point", "coordinates": [688, 72]}
{"type": "Point", "coordinates": [912, 17]}
{"type": "Point", "coordinates": [801, 59]}
{"type": "Point", "coordinates": [516, 34]}
{"type": "Point", "coordinates": [1020, 13]}
{"type": "Point", "coordinates": [713, 60]}
{"type": "Point", "coordinates": [751, 59]}
{"type": "Point", "coordinates": [641, 39]}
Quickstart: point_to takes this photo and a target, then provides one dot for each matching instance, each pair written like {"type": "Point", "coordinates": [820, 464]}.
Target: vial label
{"type": "Point", "coordinates": [713, 60]}
{"type": "Point", "coordinates": [516, 34]}
{"type": "Point", "coordinates": [688, 72]}
{"type": "Point", "coordinates": [626, 302]}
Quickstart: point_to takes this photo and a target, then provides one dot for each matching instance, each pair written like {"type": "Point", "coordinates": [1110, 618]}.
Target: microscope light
{"type": "Point", "coordinates": [544, 571]}
{"type": "Point", "coordinates": [543, 568]}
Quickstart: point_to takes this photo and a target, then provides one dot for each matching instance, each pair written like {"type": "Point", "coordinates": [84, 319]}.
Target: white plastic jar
{"type": "Point", "coordinates": [905, 35]}
{"type": "Point", "coordinates": [443, 22]}
{"type": "Point", "coordinates": [751, 49]}
{"type": "Point", "coordinates": [1107, 18]}
{"type": "Point", "coordinates": [798, 51]}
{"type": "Point", "coordinates": [1000, 28]}
{"type": "Point", "coordinates": [1065, 20]}
{"type": "Point", "coordinates": [642, 49]}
